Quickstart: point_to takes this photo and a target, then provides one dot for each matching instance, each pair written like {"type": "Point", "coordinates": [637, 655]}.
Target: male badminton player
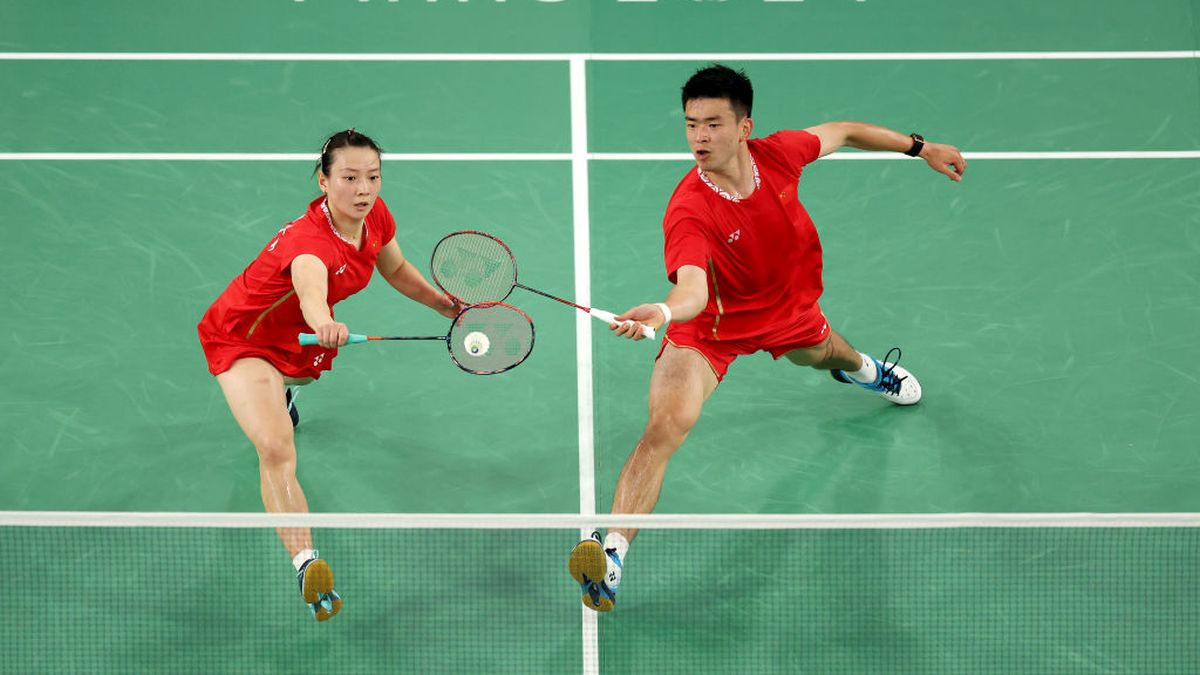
{"type": "Point", "coordinates": [746, 263]}
{"type": "Point", "coordinates": [249, 333]}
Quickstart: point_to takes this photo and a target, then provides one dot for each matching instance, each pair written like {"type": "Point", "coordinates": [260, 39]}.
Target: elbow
{"type": "Point", "coordinates": [395, 272]}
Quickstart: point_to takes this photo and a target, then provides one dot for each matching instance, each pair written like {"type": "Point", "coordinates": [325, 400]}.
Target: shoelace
{"type": "Point", "coordinates": [888, 380]}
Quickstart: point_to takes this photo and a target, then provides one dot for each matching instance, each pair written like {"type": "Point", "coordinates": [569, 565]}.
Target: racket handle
{"type": "Point", "coordinates": [609, 317]}
{"type": "Point", "coordinates": [311, 338]}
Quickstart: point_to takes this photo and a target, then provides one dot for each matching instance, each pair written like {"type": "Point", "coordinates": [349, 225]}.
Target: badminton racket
{"type": "Point", "coordinates": [483, 339]}
{"type": "Point", "coordinates": [477, 267]}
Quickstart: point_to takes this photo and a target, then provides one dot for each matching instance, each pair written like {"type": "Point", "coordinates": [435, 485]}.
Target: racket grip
{"type": "Point", "coordinates": [311, 338]}
{"type": "Point", "coordinates": [609, 317]}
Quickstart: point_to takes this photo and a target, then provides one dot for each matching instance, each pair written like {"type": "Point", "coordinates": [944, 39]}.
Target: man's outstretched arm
{"type": "Point", "coordinates": [945, 159]}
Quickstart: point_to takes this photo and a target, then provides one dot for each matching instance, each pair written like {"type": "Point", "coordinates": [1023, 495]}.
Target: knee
{"type": "Point", "coordinates": [820, 356]}
{"type": "Point", "coordinates": [667, 430]}
{"type": "Point", "coordinates": [276, 450]}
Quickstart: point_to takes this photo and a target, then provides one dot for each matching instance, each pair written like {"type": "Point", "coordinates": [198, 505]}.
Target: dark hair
{"type": "Point", "coordinates": [342, 139]}
{"type": "Point", "coordinates": [718, 81]}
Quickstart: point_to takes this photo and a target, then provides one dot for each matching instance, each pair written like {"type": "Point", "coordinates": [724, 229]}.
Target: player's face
{"type": "Point", "coordinates": [353, 183]}
{"type": "Point", "coordinates": [714, 132]}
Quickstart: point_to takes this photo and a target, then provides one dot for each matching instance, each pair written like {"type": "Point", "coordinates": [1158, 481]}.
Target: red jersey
{"type": "Point", "coordinates": [761, 253]}
{"type": "Point", "coordinates": [259, 314]}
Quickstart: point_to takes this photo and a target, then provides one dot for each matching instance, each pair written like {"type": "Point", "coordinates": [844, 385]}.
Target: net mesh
{"type": "Point", "coordinates": [956, 600]}
{"type": "Point", "coordinates": [473, 267]}
{"type": "Point", "coordinates": [491, 338]}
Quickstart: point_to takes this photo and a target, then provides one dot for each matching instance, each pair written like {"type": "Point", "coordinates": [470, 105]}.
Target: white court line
{"type": "Point", "coordinates": [541, 521]}
{"type": "Point", "coordinates": [784, 56]}
{"type": "Point", "coordinates": [590, 641]}
{"type": "Point", "coordinates": [555, 156]}
{"type": "Point", "coordinates": [581, 218]}
{"type": "Point", "coordinates": [906, 56]}
{"type": "Point", "coordinates": [278, 156]}
{"type": "Point", "coordinates": [893, 156]}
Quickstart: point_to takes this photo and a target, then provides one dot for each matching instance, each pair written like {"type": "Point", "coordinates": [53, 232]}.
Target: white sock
{"type": "Point", "coordinates": [616, 540]}
{"type": "Point", "coordinates": [303, 557]}
{"type": "Point", "coordinates": [867, 373]}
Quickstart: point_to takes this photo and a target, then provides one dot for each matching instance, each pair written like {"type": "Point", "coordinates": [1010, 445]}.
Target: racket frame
{"type": "Point", "coordinates": [598, 314]}
{"type": "Point", "coordinates": [358, 338]}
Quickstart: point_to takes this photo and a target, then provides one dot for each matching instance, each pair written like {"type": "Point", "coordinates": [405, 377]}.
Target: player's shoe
{"type": "Point", "coordinates": [289, 397]}
{"type": "Point", "coordinates": [316, 588]}
{"type": "Point", "coordinates": [597, 570]}
{"type": "Point", "coordinates": [891, 381]}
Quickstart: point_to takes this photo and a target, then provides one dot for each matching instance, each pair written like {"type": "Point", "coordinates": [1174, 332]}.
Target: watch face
{"type": "Point", "coordinates": [917, 137]}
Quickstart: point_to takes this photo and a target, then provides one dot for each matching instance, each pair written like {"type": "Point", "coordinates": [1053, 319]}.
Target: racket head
{"type": "Point", "coordinates": [490, 338]}
{"type": "Point", "coordinates": [474, 267]}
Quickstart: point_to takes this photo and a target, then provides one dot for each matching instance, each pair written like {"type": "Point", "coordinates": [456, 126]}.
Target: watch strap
{"type": "Point", "coordinates": [918, 144]}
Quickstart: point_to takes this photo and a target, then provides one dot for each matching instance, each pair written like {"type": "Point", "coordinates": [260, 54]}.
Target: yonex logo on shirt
{"type": "Point", "coordinates": [340, 269]}
{"type": "Point", "coordinates": [734, 236]}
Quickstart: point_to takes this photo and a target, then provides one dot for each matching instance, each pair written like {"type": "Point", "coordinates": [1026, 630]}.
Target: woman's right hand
{"type": "Point", "coordinates": [332, 334]}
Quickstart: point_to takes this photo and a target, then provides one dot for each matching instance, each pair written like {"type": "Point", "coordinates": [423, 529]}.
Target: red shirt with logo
{"type": "Point", "coordinates": [258, 314]}
{"type": "Point", "coordinates": [761, 254]}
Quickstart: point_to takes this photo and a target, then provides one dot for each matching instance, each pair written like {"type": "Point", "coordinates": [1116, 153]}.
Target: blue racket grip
{"type": "Point", "coordinates": [311, 338]}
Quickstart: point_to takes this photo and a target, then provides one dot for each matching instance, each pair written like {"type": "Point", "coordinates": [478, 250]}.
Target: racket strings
{"type": "Point", "coordinates": [491, 338]}
{"type": "Point", "coordinates": [474, 267]}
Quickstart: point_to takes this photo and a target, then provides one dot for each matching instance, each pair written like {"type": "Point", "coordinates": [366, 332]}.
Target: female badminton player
{"type": "Point", "coordinates": [249, 333]}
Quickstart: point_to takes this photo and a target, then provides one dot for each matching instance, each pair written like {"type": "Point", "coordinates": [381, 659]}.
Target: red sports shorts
{"type": "Point", "coordinates": [810, 330]}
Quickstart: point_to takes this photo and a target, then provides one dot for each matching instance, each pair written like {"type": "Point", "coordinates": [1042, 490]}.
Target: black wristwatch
{"type": "Point", "coordinates": [918, 143]}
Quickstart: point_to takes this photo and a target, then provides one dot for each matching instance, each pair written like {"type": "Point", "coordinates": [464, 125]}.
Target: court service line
{"type": "Point", "coordinates": [555, 156]}
{"type": "Point", "coordinates": [278, 156]}
{"type": "Point", "coordinates": [731, 56]}
{"type": "Point", "coordinates": [891, 156]}
{"type": "Point", "coordinates": [573, 521]}
{"type": "Point", "coordinates": [590, 631]}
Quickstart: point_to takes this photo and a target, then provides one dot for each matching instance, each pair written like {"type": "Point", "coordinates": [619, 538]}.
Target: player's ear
{"type": "Point", "coordinates": [747, 128]}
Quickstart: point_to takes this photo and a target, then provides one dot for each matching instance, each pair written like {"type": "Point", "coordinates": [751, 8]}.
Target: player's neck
{"type": "Point", "coordinates": [347, 227]}
{"type": "Point", "coordinates": [736, 177]}
{"type": "Point", "coordinates": [344, 227]}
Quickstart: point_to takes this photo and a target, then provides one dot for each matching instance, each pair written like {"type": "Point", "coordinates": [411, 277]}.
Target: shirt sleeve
{"type": "Point", "coordinates": [289, 245]}
{"type": "Point", "coordinates": [684, 241]}
{"type": "Point", "coordinates": [799, 148]}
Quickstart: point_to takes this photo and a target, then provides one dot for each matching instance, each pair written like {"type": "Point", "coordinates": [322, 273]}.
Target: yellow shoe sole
{"type": "Point", "coordinates": [588, 563]}
{"type": "Point", "coordinates": [318, 580]}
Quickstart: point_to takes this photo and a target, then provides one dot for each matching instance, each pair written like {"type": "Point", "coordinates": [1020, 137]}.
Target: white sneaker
{"type": "Point", "coordinates": [892, 382]}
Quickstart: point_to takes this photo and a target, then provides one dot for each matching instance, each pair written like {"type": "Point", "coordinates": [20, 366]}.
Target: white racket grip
{"type": "Point", "coordinates": [609, 317]}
